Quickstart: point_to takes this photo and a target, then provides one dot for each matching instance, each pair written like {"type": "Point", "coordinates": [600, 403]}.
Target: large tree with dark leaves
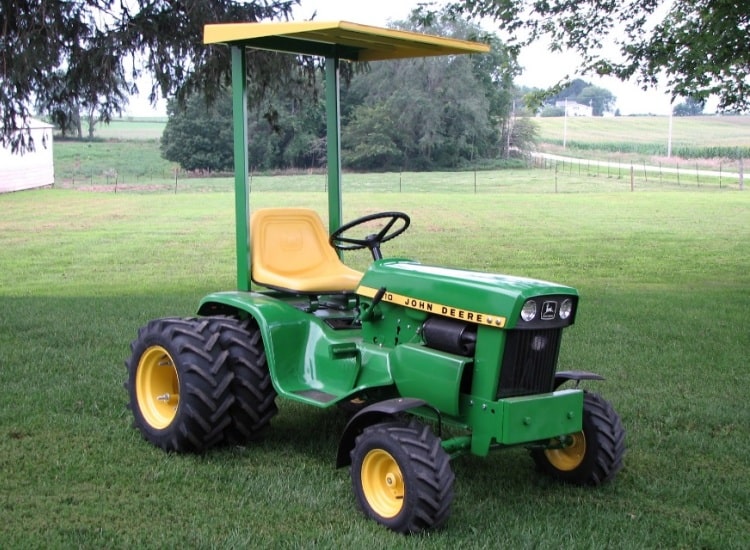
{"type": "Point", "coordinates": [90, 53]}
{"type": "Point", "coordinates": [696, 47]}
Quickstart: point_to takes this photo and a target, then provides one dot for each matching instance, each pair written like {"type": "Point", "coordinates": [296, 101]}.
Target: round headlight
{"type": "Point", "coordinates": [528, 311]}
{"type": "Point", "coordinates": [566, 308]}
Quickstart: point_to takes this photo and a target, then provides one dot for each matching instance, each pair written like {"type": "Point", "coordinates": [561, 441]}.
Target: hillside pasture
{"type": "Point", "coordinates": [128, 129]}
{"type": "Point", "coordinates": [719, 131]}
{"type": "Point", "coordinates": [705, 140]}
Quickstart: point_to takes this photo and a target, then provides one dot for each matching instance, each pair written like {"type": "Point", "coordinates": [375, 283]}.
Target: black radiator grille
{"type": "Point", "coordinates": [529, 362]}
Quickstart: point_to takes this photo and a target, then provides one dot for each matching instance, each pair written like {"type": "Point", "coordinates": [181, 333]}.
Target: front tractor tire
{"type": "Point", "coordinates": [179, 385]}
{"type": "Point", "coordinates": [592, 456]}
{"type": "Point", "coordinates": [402, 477]}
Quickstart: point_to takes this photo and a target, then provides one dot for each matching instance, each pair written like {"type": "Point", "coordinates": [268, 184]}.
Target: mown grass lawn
{"type": "Point", "coordinates": [664, 280]}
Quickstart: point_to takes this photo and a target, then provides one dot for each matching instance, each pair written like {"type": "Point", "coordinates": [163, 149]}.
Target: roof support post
{"type": "Point", "coordinates": [333, 132]}
{"type": "Point", "coordinates": [241, 188]}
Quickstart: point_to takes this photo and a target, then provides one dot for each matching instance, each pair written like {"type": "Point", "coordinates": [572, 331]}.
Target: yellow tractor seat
{"type": "Point", "coordinates": [290, 251]}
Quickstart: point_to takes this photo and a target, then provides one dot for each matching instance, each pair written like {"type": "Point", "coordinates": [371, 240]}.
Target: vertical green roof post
{"type": "Point", "coordinates": [333, 144]}
{"type": "Point", "coordinates": [241, 187]}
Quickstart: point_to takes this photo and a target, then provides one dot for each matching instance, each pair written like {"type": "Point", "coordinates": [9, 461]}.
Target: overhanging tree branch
{"type": "Point", "coordinates": [698, 46]}
{"type": "Point", "coordinates": [76, 52]}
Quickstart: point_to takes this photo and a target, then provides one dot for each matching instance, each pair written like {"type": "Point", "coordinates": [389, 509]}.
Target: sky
{"type": "Point", "coordinates": [542, 68]}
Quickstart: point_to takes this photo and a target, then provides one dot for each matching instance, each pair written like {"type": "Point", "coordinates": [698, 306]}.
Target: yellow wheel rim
{"type": "Point", "coordinates": [383, 483]}
{"type": "Point", "coordinates": [157, 387]}
{"type": "Point", "coordinates": [569, 457]}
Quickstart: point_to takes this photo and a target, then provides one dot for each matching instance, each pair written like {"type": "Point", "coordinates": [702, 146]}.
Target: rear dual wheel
{"type": "Point", "coordinates": [196, 383]}
{"type": "Point", "coordinates": [254, 396]}
{"type": "Point", "coordinates": [179, 384]}
{"type": "Point", "coordinates": [402, 477]}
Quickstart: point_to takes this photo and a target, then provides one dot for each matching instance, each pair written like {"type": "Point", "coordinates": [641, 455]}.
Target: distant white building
{"type": "Point", "coordinates": [575, 109]}
{"type": "Point", "coordinates": [33, 168]}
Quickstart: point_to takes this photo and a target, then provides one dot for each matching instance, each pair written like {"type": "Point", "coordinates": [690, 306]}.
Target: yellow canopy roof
{"type": "Point", "coordinates": [341, 39]}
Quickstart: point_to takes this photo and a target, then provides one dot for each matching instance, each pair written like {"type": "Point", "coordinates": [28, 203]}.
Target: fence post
{"type": "Point", "coordinates": [632, 178]}
{"type": "Point", "coordinates": [742, 176]}
{"type": "Point", "coordinates": [555, 178]}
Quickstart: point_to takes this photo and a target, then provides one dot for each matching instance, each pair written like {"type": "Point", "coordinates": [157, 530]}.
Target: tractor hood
{"type": "Point", "coordinates": [482, 298]}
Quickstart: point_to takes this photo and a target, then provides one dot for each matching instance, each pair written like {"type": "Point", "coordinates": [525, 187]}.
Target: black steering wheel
{"type": "Point", "coordinates": [373, 241]}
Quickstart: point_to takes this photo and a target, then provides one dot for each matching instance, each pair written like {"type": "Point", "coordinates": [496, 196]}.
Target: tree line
{"type": "Point", "coordinates": [413, 114]}
{"type": "Point", "coordinates": [89, 54]}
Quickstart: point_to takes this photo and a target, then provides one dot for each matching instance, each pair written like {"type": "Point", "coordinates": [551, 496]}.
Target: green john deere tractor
{"type": "Point", "coordinates": [416, 351]}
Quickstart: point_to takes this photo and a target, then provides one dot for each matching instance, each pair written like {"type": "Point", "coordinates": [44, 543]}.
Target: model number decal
{"type": "Point", "coordinates": [438, 309]}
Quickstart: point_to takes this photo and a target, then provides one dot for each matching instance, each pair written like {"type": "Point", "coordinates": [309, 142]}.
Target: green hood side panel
{"type": "Point", "coordinates": [308, 361]}
{"type": "Point", "coordinates": [456, 293]}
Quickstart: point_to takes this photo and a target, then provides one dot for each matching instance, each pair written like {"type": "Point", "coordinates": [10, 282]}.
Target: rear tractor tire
{"type": "Point", "coordinates": [179, 384]}
{"type": "Point", "coordinates": [592, 456]}
{"type": "Point", "coordinates": [254, 395]}
{"type": "Point", "coordinates": [402, 477]}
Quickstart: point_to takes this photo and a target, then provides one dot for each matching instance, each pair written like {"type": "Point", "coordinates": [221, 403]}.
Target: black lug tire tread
{"type": "Point", "coordinates": [426, 469]}
{"type": "Point", "coordinates": [205, 384]}
{"type": "Point", "coordinates": [605, 445]}
{"type": "Point", "coordinates": [254, 395]}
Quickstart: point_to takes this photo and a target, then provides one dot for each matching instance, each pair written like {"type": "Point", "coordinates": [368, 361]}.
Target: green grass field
{"type": "Point", "coordinates": [664, 281]}
{"type": "Point", "coordinates": [730, 131]}
{"type": "Point", "coordinates": [132, 129]}
{"type": "Point", "coordinates": [127, 158]}
{"type": "Point", "coordinates": [707, 138]}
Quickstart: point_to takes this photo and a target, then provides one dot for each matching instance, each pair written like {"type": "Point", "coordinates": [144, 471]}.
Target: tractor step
{"type": "Point", "coordinates": [316, 396]}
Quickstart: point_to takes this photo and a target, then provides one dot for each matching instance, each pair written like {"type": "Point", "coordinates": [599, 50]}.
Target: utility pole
{"type": "Point", "coordinates": [669, 139]}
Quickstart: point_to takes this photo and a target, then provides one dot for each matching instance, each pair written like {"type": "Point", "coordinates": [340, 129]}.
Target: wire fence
{"type": "Point", "coordinates": [544, 174]}
{"type": "Point", "coordinates": [646, 175]}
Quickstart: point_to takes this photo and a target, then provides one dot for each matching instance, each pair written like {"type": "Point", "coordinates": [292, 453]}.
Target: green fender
{"type": "Point", "coordinates": [266, 310]}
{"type": "Point", "coordinates": [308, 361]}
{"type": "Point", "coordinates": [378, 412]}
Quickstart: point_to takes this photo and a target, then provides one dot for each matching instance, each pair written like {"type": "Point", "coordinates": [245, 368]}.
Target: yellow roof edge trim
{"type": "Point", "coordinates": [370, 43]}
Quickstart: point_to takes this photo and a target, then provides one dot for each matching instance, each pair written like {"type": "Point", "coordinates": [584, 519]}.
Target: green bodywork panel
{"type": "Point", "coordinates": [430, 375]}
{"type": "Point", "coordinates": [312, 362]}
{"type": "Point", "coordinates": [308, 360]}
{"type": "Point", "coordinates": [481, 298]}
{"type": "Point", "coordinates": [516, 420]}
